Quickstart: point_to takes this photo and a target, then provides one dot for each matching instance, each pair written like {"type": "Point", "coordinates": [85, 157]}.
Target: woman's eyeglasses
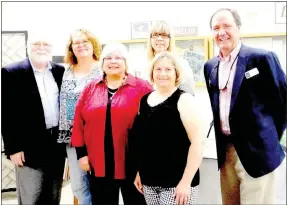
{"type": "Point", "coordinates": [163, 35]}
{"type": "Point", "coordinates": [84, 42]}
{"type": "Point", "coordinates": [109, 58]}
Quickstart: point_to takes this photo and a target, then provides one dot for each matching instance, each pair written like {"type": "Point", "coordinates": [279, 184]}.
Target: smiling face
{"type": "Point", "coordinates": [164, 73]}
{"type": "Point", "coordinates": [40, 51]}
{"type": "Point", "coordinates": [225, 31]}
{"type": "Point", "coordinates": [160, 41]}
{"type": "Point", "coordinates": [114, 64]}
{"type": "Point", "coordinates": [81, 45]}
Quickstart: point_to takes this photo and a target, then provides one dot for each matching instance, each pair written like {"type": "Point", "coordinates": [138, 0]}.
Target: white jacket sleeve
{"type": "Point", "coordinates": [188, 83]}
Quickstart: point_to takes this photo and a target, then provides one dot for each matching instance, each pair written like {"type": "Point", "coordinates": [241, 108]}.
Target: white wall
{"type": "Point", "coordinates": [111, 20]}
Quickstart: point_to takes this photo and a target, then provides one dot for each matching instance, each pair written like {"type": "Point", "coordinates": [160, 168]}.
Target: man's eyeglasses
{"type": "Point", "coordinates": [84, 42]}
{"type": "Point", "coordinates": [39, 44]}
{"type": "Point", "coordinates": [163, 35]}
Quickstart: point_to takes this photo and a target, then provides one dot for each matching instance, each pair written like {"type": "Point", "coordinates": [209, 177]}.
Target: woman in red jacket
{"type": "Point", "coordinates": [104, 114]}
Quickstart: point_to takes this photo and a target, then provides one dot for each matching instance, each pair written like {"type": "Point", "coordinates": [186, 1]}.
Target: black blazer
{"type": "Point", "coordinates": [257, 115]}
{"type": "Point", "coordinates": [23, 120]}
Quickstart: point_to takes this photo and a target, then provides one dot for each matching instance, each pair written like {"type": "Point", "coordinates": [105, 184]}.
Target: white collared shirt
{"type": "Point", "coordinates": [49, 93]}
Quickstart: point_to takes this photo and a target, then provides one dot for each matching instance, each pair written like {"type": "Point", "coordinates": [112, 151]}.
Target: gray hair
{"type": "Point", "coordinates": [111, 48]}
{"type": "Point", "coordinates": [39, 35]}
{"type": "Point", "coordinates": [233, 12]}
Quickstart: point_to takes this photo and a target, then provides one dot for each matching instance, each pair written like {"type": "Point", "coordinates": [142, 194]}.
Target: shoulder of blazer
{"type": "Point", "coordinates": [57, 66]}
{"type": "Point", "coordinates": [212, 61]}
{"type": "Point", "coordinates": [251, 52]}
{"type": "Point", "coordinates": [17, 66]}
{"type": "Point", "coordinates": [210, 64]}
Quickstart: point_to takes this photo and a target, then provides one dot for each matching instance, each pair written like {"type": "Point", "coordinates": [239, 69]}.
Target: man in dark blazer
{"type": "Point", "coordinates": [30, 115]}
{"type": "Point", "coordinates": [247, 90]}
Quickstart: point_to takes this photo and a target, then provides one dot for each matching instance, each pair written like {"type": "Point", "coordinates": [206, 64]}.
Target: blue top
{"type": "Point", "coordinates": [71, 89]}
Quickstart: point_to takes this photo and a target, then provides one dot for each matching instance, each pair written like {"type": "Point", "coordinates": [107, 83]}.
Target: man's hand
{"type": "Point", "coordinates": [84, 164]}
{"type": "Point", "coordinates": [18, 159]}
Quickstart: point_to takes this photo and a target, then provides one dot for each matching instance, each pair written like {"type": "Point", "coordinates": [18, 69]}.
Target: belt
{"type": "Point", "coordinates": [53, 130]}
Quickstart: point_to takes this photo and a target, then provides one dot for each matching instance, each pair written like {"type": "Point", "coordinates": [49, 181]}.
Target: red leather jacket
{"type": "Point", "coordinates": [90, 118]}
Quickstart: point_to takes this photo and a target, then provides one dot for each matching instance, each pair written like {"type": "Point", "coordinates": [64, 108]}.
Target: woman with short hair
{"type": "Point", "coordinates": [169, 137]}
{"type": "Point", "coordinates": [104, 114]}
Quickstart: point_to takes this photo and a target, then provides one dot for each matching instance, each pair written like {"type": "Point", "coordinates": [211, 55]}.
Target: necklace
{"type": "Point", "coordinates": [112, 92]}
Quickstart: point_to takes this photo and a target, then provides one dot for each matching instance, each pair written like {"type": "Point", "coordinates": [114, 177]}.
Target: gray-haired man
{"type": "Point", "coordinates": [30, 115]}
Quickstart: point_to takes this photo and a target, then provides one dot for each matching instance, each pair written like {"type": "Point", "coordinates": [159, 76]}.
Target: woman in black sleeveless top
{"type": "Point", "coordinates": [168, 121]}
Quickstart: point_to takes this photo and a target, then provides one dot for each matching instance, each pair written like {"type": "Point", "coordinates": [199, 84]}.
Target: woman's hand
{"type": "Point", "coordinates": [84, 164]}
{"type": "Point", "coordinates": [182, 193]}
{"type": "Point", "coordinates": [138, 183]}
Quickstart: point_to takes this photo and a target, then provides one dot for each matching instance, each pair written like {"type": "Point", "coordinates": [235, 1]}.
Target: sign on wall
{"type": "Point", "coordinates": [140, 29]}
{"type": "Point", "coordinates": [185, 30]}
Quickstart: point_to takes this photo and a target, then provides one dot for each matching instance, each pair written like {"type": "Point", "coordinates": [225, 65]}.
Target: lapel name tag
{"type": "Point", "coordinates": [251, 73]}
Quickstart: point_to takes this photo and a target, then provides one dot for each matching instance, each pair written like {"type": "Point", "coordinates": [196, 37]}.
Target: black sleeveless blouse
{"type": "Point", "coordinates": [163, 143]}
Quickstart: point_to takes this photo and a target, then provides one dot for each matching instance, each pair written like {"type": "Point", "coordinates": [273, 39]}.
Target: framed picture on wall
{"type": "Point", "coordinates": [195, 52]}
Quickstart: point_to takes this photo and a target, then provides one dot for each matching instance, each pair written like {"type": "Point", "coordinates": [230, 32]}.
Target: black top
{"type": "Point", "coordinates": [109, 146]}
{"type": "Point", "coordinates": [162, 144]}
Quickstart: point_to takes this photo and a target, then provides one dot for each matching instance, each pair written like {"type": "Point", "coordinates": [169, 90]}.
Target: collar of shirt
{"type": "Point", "coordinates": [131, 80]}
{"type": "Point", "coordinates": [232, 55]}
{"type": "Point", "coordinates": [35, 70]}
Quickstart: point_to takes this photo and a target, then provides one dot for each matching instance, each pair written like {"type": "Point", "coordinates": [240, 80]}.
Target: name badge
{"type": "Point", "coordinates": [251, 73]}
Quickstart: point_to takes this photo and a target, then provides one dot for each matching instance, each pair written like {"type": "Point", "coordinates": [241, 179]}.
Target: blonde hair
{"type": "Point", "coordinates": [70, 57]}
{"type": "Point", "coordinates": [166, 55]}
{"type": "Point", "coordinates": [160, 27]}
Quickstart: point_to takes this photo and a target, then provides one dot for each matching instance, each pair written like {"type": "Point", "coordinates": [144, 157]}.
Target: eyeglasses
{"type": "Point", "coordinates": [213, 75]}
{"type": "Point", "coordinates": [84, 42]}
{"type": "Point", "coordinates": [163, 35]}
{"type": "Point", "coordinates": [109, 58]}
{"type": "Point", "coordinates": [39, 44]}
{"type": "Point", "coordinates": [166, 70]}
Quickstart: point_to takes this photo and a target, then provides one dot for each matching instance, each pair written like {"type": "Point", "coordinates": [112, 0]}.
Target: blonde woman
{"type": "Point", "coordinates": [82, 56]}
{"type": "Point", "coordinates": [161, 39]}
{"type": "Point", "coordinates": [168, 121]}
